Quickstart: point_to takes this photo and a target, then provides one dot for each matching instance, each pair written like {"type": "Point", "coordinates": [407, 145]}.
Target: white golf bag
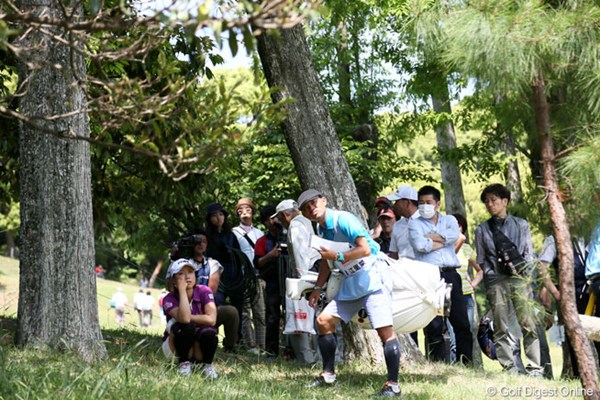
{"type": "Point", "coordinates": [419, 294]}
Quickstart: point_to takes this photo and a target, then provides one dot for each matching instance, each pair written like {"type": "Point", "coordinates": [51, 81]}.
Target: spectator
{"type": "Point", "coordinates": [163, 316]}
{"type": "Point", "coordinates": [466, 256]}
{"type": "Point", "coordinates": [119, 300]}
{"type": "Point", "coordinates": [405, 205]}
{"type": "Point", "coordinates": [592, 272]}
{"type": "Point", "coordinates": [503, 288]}
{"type": "Point", "coordinates": [148, 307]}
{"type": "Point", "coordinates": [138, 300]}
{"type": "Point", "coordinates": [386, 218]}
{"type": "Point", "coordinates": [191, 315]}
{"type": "Point", "coordinates": [432, 237]}
{"type": "Point", "coordinates": [302, 258]}
{"type": "Point", "coordinates": [270, 263]}
{"type": "Point", "coordinates": [143, 281]}
{"type": "Point", "coordinates": [100, 271]}
{"type": "Point", "coordinates": [220, 242]}
{"type": "Point", "coordinates": [209, 273]}
{"type": "Point", "coordinates": [253, 315]}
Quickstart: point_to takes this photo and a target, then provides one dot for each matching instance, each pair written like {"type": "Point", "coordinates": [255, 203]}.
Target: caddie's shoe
{"type": "Point", "coordinates": [323, 380]}
{"type": "Point", "coordinates": [209, 371]}
{"type": "Point", "coordinates": [185, 368]}
{"type": "Point", "coordinates": [389, 390]}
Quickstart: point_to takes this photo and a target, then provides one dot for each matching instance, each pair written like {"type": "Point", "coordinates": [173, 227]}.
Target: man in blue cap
{"type": "Point", "coordinates": [363, 286]}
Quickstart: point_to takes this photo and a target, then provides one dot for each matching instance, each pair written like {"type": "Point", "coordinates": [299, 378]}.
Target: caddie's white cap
{"type": "Point", "coordinates": [287, 204]}
{"type": "Point", "coordinates": [178, 265]}
{"type": "Point", "coordinates": [404, 192]}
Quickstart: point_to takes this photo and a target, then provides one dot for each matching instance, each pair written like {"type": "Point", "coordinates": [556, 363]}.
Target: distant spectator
{"type": "Point", "coordinates": [119, 300]}
{"type": "Point", "coordinates": [163, 316]}
{"type": "Point", "coordinates": [100, 271]}
{"type": "Point", "coordinates": [144, 282]}
{"type": "Point", "coordinates": [147, 308]}
{"type": "Point", "coordinates": [138, 300]}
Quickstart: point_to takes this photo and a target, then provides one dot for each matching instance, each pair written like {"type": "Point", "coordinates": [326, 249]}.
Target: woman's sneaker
{"type": "Point", "coordinates": [185, 368]}
{"type": "Point", "coordinates": [390, 390]}
{"type": "Point", "coordinates": [323, 380]}
{"type": "Point", "coordinates": [209, 371]}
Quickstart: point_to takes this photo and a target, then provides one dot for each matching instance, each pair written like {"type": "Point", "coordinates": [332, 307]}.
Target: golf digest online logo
{"type": "Point", "coordinates": [538, 393]}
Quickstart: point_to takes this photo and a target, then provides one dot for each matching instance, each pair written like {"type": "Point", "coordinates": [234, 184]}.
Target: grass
{"type": "Point", "coordinates": [136, 369]}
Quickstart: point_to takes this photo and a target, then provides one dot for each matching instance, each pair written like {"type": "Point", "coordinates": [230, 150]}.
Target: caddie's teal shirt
{"type": "Point", "coordinates": [342, 226]}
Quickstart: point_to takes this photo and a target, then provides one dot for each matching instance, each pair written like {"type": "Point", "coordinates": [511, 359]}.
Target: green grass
{"type": "Point", "coordinates": [136, 369]}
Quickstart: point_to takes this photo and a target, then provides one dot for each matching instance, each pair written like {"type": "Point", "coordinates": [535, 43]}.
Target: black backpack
{"type": "Point", "coordinates": [509, 261]}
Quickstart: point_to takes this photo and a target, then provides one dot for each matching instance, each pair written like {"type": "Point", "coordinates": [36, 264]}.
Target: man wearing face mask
{"type": "Point", "coordinates": [432, 237]}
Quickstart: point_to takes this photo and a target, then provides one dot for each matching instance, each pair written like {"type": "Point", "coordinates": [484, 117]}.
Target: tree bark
{"type": "Point", "coordinates": [155, 273]}
{"type": "Point", "coordinates": [315, 148]}
{"type": "Point", "coordinates": [512, 177]}
{"type": "Point", "coordinates": [581, 345]}
{"type": "Point", "coordinates": [446, 140]}
{"type": "Point", "coordinates": [57, 287]}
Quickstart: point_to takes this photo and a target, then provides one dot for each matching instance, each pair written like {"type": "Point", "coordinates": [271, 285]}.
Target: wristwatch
{"type": "Point", "coordinates": [319, 288]}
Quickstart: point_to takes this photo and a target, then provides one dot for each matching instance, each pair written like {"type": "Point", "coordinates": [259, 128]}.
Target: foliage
{"type": "Point", "coordinates": [505, 47]}
{"type": "Point", "coordinates": [582, 186]}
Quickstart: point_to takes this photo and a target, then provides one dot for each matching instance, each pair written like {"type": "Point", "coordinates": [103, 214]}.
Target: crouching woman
{"type": "Point", "coordinates": [191, 315]}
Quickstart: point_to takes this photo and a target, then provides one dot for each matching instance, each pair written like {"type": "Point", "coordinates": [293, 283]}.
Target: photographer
{"type": "Point", "coordinates": [268, 253]}
{"type": "Point", "coordinates": [503, 288]}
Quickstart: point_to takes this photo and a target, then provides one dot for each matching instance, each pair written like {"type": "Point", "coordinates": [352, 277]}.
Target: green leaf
{"type": "Point", "coordinates": [233, 44]}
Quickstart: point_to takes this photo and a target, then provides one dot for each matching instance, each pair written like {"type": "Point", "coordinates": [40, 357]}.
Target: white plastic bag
{"type": "Point", "coordinates": [299, 317]}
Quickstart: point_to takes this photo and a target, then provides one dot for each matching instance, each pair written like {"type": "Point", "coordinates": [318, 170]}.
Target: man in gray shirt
{"type": "Point", "coordinates": [502, 289]}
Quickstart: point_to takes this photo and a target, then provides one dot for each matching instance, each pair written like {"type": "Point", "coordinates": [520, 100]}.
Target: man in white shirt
{"type": "Point", "coordinates": [302, 257]}
{"type": "Point", "coordinates": [405, 204]}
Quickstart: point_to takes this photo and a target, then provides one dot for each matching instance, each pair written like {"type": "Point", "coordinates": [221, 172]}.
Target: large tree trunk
{"type": "Point", "coordinates": [446, 140]}
{"type": "Point", "coordinates": [57, 288]}
{"type": "Point", "coordinates": [315, 150]}
{"type": "Point", "coordinates": [579, 341]}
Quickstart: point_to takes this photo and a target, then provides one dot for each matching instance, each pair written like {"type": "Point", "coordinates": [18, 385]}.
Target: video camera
{"type": "Point", "coordinates": [184, 247]}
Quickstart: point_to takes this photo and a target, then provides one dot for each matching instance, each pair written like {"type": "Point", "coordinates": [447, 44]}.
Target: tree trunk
{"type": "Point", "coordinates": [512, 177]}
{"type": "Point", "coordinates": [446, 140]}
{"type": "Point", "coordinates": [579, 341]}
{"type": "Point", "coordinates": [155, 273]}
{"type": "Point", "coordinates": [314, 146]}
{"type": "Point", "coordinates": [57, 287]}
{"type": "Point", "coordinates": [343, 65]}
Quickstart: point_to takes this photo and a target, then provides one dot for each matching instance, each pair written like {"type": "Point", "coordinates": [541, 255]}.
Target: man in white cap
{"type": "Point", "coordinates": [300, 229]}
{"type": "Point", "coordinates": [363, 286]}
{"type": "Point", "coordinates": [302, 258]}
{"type": "Point", "coordinates": [406, 204]}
